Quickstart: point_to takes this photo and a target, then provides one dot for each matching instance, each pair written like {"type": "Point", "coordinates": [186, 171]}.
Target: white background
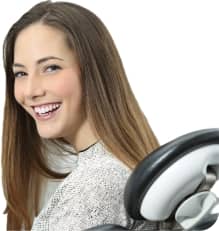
{"type": "Point", "coordinates": [170, 50]}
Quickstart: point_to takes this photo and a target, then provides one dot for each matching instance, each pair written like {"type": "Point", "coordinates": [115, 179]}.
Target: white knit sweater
{"type": "Point", "coordinates": [91, 195]}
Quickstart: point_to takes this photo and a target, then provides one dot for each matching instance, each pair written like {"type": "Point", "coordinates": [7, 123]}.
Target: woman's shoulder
{"type": "Point", "coordinates": [99, 169]}
{"type": "Point", "coordinates": [99, 159]}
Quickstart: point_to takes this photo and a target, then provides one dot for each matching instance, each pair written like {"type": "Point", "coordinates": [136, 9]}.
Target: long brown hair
{"type": "Point", "coordinates": [107, 98]}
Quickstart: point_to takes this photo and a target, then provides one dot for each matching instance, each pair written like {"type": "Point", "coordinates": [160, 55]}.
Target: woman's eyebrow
{"type": "Point", "coordinates": [38, 61]}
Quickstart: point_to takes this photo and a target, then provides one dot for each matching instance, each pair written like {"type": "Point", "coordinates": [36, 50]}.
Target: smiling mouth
{"type": "Point", "coordinates": [47, 115]}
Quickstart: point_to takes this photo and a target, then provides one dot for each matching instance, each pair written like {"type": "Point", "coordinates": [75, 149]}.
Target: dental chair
{"type": "Point", "coordinates": [175, 182]}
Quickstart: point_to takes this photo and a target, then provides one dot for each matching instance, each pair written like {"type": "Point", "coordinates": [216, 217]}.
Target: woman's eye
{"type": "Point", "coordinates": [52, 68]}
{"type": "Point", "coordinates": [19, 74]}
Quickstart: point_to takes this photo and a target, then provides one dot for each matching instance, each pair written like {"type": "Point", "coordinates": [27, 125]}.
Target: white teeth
{"type": "Point", "coordinates": [45, 109]}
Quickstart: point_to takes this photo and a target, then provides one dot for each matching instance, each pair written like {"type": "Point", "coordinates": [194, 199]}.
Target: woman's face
{"type": "Point", "coordinates": [47, 74]}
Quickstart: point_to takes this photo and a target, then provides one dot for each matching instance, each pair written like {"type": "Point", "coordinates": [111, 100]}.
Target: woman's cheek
{"type": "Point", "coordinates": [18, 93]}
{"type": "Point", "coordinates": [67, 84]}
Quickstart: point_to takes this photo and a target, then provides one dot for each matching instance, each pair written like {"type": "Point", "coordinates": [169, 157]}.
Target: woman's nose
{"type": "Point", "coordinates": [34, 87]}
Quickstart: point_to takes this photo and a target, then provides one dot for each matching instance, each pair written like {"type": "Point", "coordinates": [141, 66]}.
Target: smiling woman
{"type": "Point", "coordinates": [73, 130]}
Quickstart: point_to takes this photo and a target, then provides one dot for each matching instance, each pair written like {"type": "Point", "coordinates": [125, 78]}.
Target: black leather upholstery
{"type": "Point", "coordinates": [107, 227]}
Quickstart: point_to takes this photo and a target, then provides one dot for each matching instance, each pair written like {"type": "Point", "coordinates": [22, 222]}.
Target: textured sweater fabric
{"type": "Point", "coordinates": [92, 194]}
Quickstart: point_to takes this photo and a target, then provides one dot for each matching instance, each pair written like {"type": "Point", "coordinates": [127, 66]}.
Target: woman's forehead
{"type": "Point", "coordinates": [37, 41]}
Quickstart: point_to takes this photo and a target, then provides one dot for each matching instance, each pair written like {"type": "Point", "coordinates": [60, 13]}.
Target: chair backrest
{"type": "Point", "coordinates": [175, 180]}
